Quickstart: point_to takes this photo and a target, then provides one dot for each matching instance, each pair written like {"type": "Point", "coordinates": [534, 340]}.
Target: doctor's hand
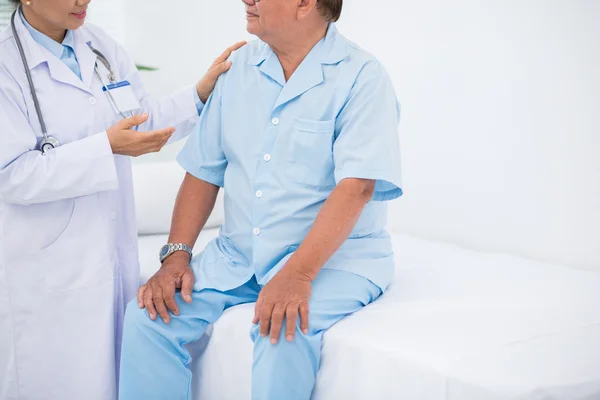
{"type": "Point", "coordinates": [286, 295]}
{"type": "Point", "coordinates": [125, 141]}
{"type": "Point", "coordinates": [207, 84]}
{"type": "Point", "coordinates": [158, 294]}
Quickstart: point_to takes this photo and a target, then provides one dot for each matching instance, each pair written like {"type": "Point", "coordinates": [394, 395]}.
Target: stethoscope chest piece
{"type": "Point", "coordinates": [48, 143]}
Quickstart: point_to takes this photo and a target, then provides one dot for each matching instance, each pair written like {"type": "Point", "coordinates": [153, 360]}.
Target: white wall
{"type": "Point", "coordinates": [500, 99]}
{"type": "Point", "coordinates": [110, 15]}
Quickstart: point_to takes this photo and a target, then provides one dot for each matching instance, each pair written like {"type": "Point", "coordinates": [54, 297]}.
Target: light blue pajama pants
{"type": "Point", "coordinates": [155, 364]}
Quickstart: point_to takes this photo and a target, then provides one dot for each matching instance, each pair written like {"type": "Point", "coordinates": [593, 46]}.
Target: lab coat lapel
{"type": "Point", "coordinates": [61, 73]}
{"type": "Point", "coordinates": [86, 58]}
{"type": "Point", "coordinates": [37, 55]}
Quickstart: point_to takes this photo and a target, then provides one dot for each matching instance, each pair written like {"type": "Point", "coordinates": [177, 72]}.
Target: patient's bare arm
{"type": "Point", "coordinates": [194, 204]}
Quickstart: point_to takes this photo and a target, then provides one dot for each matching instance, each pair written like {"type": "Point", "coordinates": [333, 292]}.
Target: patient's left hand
{"type": "Point", "coordinates": [207, 84]}
{"type": "Point", "coordinates": [286, 295]}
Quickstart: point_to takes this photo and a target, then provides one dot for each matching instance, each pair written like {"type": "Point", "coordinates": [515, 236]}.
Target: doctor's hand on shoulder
{"type": "Point", "coordinates": [221, 65]}
{"type": "Point", "coordinates": [158, 294]}
{"type": "Point", "coordinates": [126, 141]}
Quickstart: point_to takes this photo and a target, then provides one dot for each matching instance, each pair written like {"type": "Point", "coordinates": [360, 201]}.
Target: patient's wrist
{"type": "Point", "coordinates": [299, 271]}
{"type": "Point", "coordinates": [180, 256]}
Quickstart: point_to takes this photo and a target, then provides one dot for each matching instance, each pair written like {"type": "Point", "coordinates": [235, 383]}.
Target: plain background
{"type": "Point", "coordinates": [500, 126]}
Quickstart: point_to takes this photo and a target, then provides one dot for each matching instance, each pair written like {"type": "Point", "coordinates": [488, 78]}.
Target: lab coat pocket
{"type": "Point", "coordinates": [310, 153]}
{"type": "Point", "coordinates": [36, 227]}
{"type": "Point", "coordinates": [80, 257]}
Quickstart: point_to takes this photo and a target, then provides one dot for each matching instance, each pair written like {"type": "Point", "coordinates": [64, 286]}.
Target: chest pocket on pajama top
{"type": "Point", "coordinates": [310, 153]}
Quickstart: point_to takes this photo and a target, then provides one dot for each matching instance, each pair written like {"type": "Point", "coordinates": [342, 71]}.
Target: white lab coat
{"type": "Point", "coordinates": [68, 240]}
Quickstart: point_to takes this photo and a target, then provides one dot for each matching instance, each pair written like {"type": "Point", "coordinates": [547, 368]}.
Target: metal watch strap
{"type": "Point", "coordinates": [175, 247]}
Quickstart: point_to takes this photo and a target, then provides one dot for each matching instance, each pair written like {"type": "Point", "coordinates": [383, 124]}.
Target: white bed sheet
{"type": "Point", "coordinates": [455, 325]}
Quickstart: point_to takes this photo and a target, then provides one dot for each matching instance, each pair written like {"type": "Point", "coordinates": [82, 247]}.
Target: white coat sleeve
{"type": "Point", "coordinates": [179, 110]}
{"type": "Point", "coordinates": [74, 169]}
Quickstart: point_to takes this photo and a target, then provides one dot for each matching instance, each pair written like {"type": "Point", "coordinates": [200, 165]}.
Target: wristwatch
{"type": "Point", "coordinates": [171, 248]}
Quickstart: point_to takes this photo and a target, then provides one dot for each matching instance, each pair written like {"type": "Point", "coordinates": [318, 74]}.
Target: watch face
{"type": "Point", "coordinates": [164, 251]}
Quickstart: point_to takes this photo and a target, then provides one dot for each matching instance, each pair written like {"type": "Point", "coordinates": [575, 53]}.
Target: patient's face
{"type": "Point", "coordinates": [269, 18]}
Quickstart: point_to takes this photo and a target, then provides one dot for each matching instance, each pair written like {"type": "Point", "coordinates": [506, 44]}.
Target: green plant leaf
{"type": "Point", "coordinates": [145, 68]}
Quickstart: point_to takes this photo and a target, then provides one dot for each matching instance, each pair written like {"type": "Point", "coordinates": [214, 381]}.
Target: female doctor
{"type": "Point", "coordinates": [72, 111]}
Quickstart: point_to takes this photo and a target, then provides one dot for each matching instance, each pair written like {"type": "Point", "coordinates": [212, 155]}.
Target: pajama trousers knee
{"type": "Point", "coordinates": [156, 365]}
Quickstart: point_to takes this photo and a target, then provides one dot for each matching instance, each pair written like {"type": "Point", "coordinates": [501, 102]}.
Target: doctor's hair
{"type": "Point", "coordinates": [330, 9]}
{"type": "Point", "coordinates": [15, 2]}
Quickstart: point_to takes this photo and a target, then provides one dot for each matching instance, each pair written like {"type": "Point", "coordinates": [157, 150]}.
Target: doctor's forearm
{"type": "Point", "coordinates": [333, 225]}
{"type": "Point", "coordinates": [178, 111]}
{"type": "Point", "coordinates": [193, 206]}
{"type": "Point", "coordinates": [76, 169]}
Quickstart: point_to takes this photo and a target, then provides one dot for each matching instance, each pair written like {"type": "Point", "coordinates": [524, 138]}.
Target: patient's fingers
{"type": "Point", "coordinates": [149, 303]}
{"type": "Point", "coordinates": [159, 303]}
{"type": "Point", "coordinates": [169, 297]}
{"type": "Point", "coordinates": [291, 316]}
{"type": "Point", "coordinates": [187, 285]}
{"type": "Point", "coordinates": [304, 317]}
{"type": "Point", "coordinates": [140, 296]}
{"type": "Point", "coordinates": [277, 321]}
{"type": "Point", "coordinates": [257, 306]}
{"type": "Point", "coordinates": [265, 319]}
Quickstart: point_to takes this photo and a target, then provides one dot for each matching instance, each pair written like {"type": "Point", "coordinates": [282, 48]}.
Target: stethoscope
{"type": "Point", "coordinates": [48, 142]}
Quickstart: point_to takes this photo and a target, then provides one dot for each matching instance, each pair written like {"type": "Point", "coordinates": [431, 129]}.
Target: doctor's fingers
{"type": "Point", "coordinates": [130, 122]}
{"type": "Point", "coordinates": [154, 141]}
{"type": "Point", "coordinates": [223, 57]}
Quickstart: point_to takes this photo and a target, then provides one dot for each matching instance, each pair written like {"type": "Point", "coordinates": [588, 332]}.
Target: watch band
{"type": "Point", "coordinates": [173, 248]}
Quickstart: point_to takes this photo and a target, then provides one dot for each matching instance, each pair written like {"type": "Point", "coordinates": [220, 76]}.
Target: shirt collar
{"type": "Point", "coordinates": [49, 44]}
{"type": "Point", "coordinates": [331, 49]}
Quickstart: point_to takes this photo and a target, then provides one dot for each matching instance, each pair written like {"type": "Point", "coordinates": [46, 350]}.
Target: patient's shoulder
{"type": "Point", "coordinates": [359, 55]}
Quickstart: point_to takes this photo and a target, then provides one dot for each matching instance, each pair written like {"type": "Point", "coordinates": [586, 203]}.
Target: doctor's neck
{"type": "Point", "coordinates": [44, 26]}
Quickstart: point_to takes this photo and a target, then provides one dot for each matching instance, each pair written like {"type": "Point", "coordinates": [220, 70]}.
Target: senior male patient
{"type": "Point", "coordinates": [302, 135]}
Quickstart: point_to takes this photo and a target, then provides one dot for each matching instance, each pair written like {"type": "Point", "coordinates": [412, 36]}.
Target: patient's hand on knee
{"type": "Point", "coordinates": [158, 294]}
{"type": "Point", "coordinates": [287, 295]}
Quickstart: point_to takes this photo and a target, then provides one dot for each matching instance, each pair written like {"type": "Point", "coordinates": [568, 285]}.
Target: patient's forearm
{"type": "Point", "coordinates": [333, 225]}
{"type": "Point", "coordinates": [194, 204]}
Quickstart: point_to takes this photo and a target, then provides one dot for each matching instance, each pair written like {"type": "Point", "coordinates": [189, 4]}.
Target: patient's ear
{"type": "Point", "coordinates": [306, 8]}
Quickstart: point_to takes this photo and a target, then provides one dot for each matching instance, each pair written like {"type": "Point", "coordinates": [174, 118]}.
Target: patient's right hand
{"type": "Point", "coordinates": [158, 294]}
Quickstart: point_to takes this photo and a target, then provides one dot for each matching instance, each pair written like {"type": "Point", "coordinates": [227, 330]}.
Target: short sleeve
{"type": "Point", "coordinates": [367, 144]}
{"type": "Point", "coordinates": [199, 103]}
{"type": "Point", "coordinates": [202, 156]}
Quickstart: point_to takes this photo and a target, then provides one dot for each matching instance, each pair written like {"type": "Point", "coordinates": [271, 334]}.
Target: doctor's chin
{"type": "Point", "coordinates": [299, 200]}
